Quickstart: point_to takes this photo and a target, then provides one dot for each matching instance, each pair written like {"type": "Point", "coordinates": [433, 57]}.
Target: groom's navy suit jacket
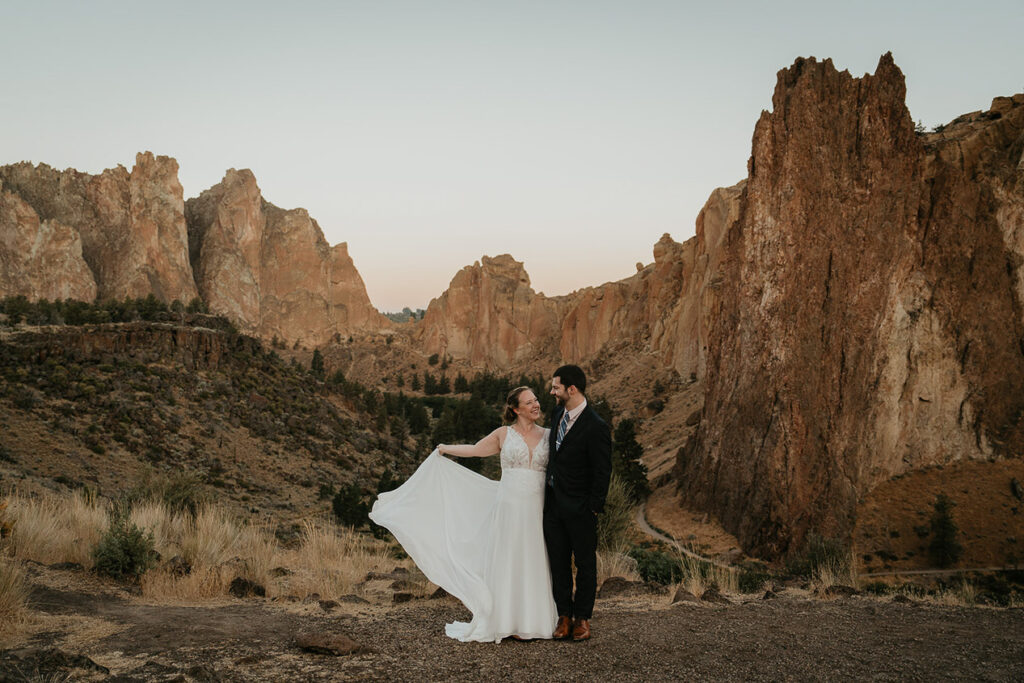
{"type": "Point", "coordinates": [579, 471]}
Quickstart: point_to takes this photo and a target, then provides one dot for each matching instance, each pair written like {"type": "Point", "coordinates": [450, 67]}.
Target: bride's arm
{"type": "Point", "coordinates": [489, 445]}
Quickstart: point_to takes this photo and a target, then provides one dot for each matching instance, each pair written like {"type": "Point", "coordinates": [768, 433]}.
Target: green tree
{"type": "Point", "coordinates": [945, 548]}
{"type": "Point", "coordinates": [316, 365]}
{"type": "Point", "coordinates": [418, 418]}
{"type": "Point", "coordinates": [461, 384]}
{"type": "Point", "coordinates": [415, 382]}
{"type": "Point", "coordinates": [626, 461]}
{"type": "Point", "coordinates": [348, 506]}
{"type": "Point", "coordinates": [197, 305]}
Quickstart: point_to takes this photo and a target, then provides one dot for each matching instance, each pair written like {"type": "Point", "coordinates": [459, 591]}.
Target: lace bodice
{"type": "Point", "coordinates": [515, 453]}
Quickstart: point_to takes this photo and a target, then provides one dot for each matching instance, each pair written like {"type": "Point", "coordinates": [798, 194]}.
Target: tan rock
{"type": "Point", "coordinates": [490, 316]}
{"type": "Point", "coordinates": [131, 225]}
{"type": "Point", "coordinates": [270, 270]}
{"type": "Point", "coordinates": [33, 252]}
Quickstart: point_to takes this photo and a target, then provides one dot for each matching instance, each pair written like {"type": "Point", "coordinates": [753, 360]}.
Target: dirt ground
{"type": "Point", "coordinates": [793, 637]}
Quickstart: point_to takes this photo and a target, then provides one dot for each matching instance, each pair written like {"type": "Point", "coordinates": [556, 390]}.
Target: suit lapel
{"type": "Point", "coordinates": [577, 428]}
{"type": "Point", "coordinates": [556, 417]}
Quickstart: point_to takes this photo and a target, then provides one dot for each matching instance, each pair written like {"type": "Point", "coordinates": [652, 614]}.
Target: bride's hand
{"type": "Point", "coordinates": [440, 448]}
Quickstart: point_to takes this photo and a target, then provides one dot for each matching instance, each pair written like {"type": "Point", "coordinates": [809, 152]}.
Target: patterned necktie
{"type": "Point", "coordinates": [563, 426]}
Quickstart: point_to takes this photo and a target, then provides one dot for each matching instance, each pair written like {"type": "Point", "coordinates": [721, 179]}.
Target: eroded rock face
{"type": "Point", "coordinates": [33, 251]}
{"type": "Point", "coordinates": [867, 317]}
{"type": "Point", "coordinates": [131, 226]}
{"type": "Point", "coordinates": [270, 270]}
{"type": "Point", "coordinates": [490, 316]}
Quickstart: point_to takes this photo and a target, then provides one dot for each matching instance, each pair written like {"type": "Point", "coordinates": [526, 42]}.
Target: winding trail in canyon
{"type": "Point", "coordinates": [641, 521]}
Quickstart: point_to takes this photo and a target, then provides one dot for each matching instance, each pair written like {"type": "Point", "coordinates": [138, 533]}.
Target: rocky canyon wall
{"type": "Point", "coordinates": [271, 269]}
{"type": "Point", "coordinates": [66, 234]}
{"type": "Point", "coordinates": [491, 317]}
{"type": "Point", "coordinates": [127, 227]}
{"type": "Point", "coordinates": [868, 317]}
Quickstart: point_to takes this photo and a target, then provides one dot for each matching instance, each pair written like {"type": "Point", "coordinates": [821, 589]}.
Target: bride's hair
{"type": "Point", "coordinates": [512, 401]}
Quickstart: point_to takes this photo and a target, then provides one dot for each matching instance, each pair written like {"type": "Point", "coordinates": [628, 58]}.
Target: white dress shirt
{"type": "Point", "coordinates": [573, 414]}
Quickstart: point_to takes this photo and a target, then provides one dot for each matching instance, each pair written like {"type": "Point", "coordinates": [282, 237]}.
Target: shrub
{"type": "Point", "coordinates": [614, 523]}
{"type": "Point", "coordinates": [316, 365]}
{"type": "Point", "coordinates": [817, 552]}
{"type": "Point", "coordinates": [180, 492]}
{"type": "Point", "coordinates": [657, 565]}
{"type": "Point", "coordinates": [348, 506]}
{"type": "Point", "coordinates": [945, 549]}
{"type": "Point", "coordinates": [125, 550]}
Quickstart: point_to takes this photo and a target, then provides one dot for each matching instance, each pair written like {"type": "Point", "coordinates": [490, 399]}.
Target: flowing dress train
{"type": "Point", "coordinates": [480, 540]}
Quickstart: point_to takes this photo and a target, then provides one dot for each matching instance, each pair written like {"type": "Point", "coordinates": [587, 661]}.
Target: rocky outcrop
{"type": "Point", "coordinates": [663, 308]}
{"type": "Point", "coordinates": [195, 345]}
{"type": "Point", "coordinates": [271, 270]}
{"type": "Point", "coordinates": [866, 315]}
{"type": "Point", "coordinates": [130, 226]}
{"type": "Point", "coordinates": [32, 251]}
{"type": "Point", "coordinates": [490, 316]}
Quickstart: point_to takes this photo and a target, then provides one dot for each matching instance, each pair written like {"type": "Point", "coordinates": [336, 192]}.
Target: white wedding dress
{"type": "Point", "coordinates": [480, 540]}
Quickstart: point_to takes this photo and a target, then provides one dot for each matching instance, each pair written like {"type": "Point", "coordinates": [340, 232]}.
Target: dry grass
{"type": "Point", "coordinates": [202, 583]}
{"type": "Point", "coordinates": [840, 572]}
{"type": "Point", "coordinates": [699, 576]}
{"type": "Point", "coordinates": [209, 539]}
{"type": "Point", "coordinates": [964, 594]}
{"type": "Point", "coordinates": [51, 529]}
{"type": "Point", "coordinates": [333, 560]}
{"type": "Point", "coordinates": [616, 563]}
{"type": "Point", "coordinates": [13, 597]}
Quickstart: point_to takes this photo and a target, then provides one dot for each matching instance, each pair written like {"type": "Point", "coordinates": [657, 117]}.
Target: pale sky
{"type": "Point", "coordinates": [428, 133]}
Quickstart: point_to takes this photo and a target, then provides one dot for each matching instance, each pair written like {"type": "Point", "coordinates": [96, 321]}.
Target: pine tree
{"type": "Point", "coordinates": [626, 461]}
{"type": "Point", "coordinates": [316, 366]}
{"type": "Point", "coordinates": [348, 506]}
{"type": "Point", "coordinates": [945, 549]}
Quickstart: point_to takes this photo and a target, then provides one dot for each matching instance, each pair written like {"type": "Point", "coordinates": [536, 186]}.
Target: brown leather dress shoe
{"type": "Point", "coordinates": [563, 629]}
{"type": "Point", "coordinates": [581, 630]}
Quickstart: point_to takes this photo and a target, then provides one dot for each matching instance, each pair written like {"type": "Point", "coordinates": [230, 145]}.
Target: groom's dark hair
{"type": "Point", "coordinates": [572, 376]}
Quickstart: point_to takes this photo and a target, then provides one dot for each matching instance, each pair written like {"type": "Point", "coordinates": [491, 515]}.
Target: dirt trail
{"type": "Point", "coordinates": [641, 522]}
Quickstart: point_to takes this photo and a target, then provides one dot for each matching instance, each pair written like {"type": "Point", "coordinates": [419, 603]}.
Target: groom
{"type": "Point", "coordinates": [577, 483]}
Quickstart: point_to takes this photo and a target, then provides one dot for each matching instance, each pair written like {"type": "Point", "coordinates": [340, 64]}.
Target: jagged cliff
{"type": "Point", "coordinates": [128, 228]}
{"type": "Point", "coordinates": [869, 317]}
{"type": "Point", "coordinates": [271, 270]}
{"type": "Point", "coordinates": [491, 317]}
{"type": "Point", "coordinates": [66, 234]}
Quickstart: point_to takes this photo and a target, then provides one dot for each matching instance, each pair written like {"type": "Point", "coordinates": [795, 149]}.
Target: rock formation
{"type": "Point", "coordinates": [130, 226]}
{"type": "Point", "coordinates": [490, 316]}
{"type": "Point", "coordinates": [33, 250]}
{"type": "Point", "coordinates": [271, 270]}
{"type": "Point", "coordinates": [867, 319]}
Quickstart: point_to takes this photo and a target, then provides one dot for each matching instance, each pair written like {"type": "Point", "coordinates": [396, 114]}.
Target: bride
{"type": "Point", "coordinates": [483, 540]}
